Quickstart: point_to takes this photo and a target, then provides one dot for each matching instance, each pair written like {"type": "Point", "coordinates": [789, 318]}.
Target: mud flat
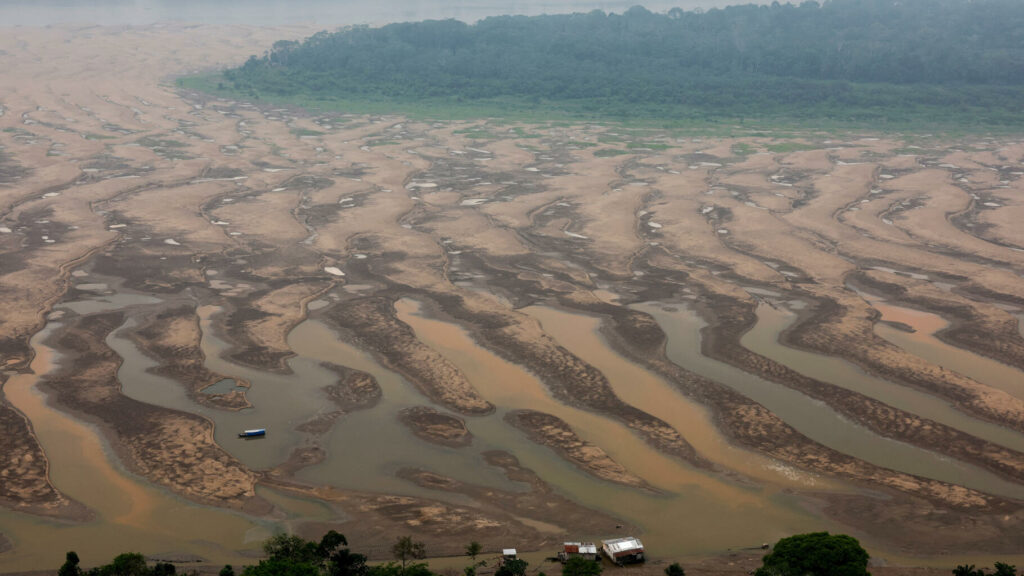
{"type": "Point", "coordinates": [206, 266]}
{"type": "Point", "coordinates": [553, 432]}
{"type": "Point", "coordinates": [433, 426]}
{"type": "Point", "coordinates": [173, 449]}
{"type": "Point", "coordinates": [173, 337]}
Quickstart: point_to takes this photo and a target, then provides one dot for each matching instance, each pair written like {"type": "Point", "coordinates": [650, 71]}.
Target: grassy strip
{"type": "Point", "coordinates": [918, 120]}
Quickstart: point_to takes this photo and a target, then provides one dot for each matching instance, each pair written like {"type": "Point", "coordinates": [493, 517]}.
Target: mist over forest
{"type": "Point", "coordinates": [327, 13]}
{"type": "Point", "coordinates": [870, 60]}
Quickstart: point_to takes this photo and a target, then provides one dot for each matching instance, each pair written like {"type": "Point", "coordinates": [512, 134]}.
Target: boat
{"type": "Point", "coordinates": [254, 433]}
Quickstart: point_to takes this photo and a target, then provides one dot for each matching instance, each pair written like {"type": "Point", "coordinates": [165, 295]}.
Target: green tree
{"type": "Point", "coordinates": [406, 549]}
{"type": "Point", "coordinates": [395, 569]}
{"type": "Point", "coordinates": [344, 562]}
{"type": "Point", "coordinates": [473, 549]}
{"type": "Point", "coordinates": [227, 570]}
{"type": "Point", "coordinates": [129, 564]}
{"type": "Point", "coordinates": [816, 554]}
{"type": "Point", "coordinates": [674, 569]}
{"type": "Point", "coordinates": [515, 567]}
{"type": "Point", "coordinates": [70, 566]}
{"type": "Point", "coordinates": [967, 570]}
{"type": "Point", "coordinates": [580, 566]}
{"type": "Point", "coordinates": [164, 569]}
{"type": "Point", "coordinates": [1003, 569]}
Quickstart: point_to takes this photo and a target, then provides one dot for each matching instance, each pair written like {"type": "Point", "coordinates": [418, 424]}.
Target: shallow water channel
{"type": "Point", "coordinates": [811, 417]}
{"type": "Point", "coordinates": [130, 514]}
{"type": "Point", "coordinates": [695, 511]}
{"type": "Point", "coordinates": [924, 344]}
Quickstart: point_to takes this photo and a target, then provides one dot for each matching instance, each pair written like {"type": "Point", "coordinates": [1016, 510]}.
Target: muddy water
{"type": "Point", "coordinates": [811, 417]}
{"type": "Point", "coordinates": [924, 344]}
{"type": "Point", "coordinates": [637, 386]}
{"type": "Point", "coordinates": [130, 514]}
{"type": "Point", "coordinates": [718, 514]}
{"type": "Point", "coordinates": [763, 339]}
{"type": "Point", "coordinates": [364, 448]}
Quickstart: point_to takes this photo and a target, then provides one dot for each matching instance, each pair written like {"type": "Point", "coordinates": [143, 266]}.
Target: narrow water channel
{"type": "Point", "coordinates": [812, 417]}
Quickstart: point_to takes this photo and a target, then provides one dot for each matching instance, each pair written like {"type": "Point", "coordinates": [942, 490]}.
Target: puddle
{"type": "Point", "coordinates": [811, 417]}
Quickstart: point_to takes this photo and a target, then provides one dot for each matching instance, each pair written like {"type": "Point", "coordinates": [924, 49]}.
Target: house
{"type": "Point", "coordinates": [587, 550]}
{"type": "Point", "coordinates": [621, 551]}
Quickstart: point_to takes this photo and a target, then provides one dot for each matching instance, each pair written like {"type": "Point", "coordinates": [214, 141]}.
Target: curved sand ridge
{"type": "Point", "coordinates": [275, 215]}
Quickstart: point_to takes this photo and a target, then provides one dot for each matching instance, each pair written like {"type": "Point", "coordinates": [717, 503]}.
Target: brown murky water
{"type": "Point", "coordinates": [719, 514]}
{"type": "Point", "coordinates": [365, 448]}
{"type": "Point", "coordinates": [924, 344]}
{"type": "Point", "coordinates": [130, 514]}
{"type": "Point", "coordinates": [764, 339]}
{"type": "Point", "coordinates": [811, 417]}
{"type": "Point", "coordinates": [637, 386]}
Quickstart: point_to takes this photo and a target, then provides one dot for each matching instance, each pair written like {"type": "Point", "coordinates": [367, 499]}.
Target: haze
{"type": "Point", "coordinates": [326, 13]}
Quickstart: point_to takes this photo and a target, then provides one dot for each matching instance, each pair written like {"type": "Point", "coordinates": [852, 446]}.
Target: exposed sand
{"type": "Point", "coordinates": [276, 215]}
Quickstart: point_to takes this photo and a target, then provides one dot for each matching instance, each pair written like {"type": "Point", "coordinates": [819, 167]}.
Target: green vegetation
{"type": "Point", "coordinates": [816, 554]}
{"type": "Point", "coordinates": [513, 567]}
{"type": "Point", "coordinates": [609, 152]}
{"type": "Point", "coordinates": [300, 132]}
{"type": "Point", "coordinates": [580, 566]}
{"type": "Point", "coordinates": [742, 149]}
{"type": "Point", "coordinates": [877, 62]}
{"type": "Point", "coordinates": [1001, 569]}
{"type": "Point", "coordinates": [787, 147]}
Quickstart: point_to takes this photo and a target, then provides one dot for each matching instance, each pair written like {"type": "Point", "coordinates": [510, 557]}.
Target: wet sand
{"type": "Point", "coordinates": [216, 266]}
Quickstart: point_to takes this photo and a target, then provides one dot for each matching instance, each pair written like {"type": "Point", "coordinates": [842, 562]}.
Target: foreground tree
{"type": "Point", "coordinates": [290, 555]}
{"type": "Point", "coordinates": [514, 567]}
{"type": "Point", "coordinates": [816, 554]}
{"type": "Point", "coordinates": [674, 569]}
{"type": "Point", "coordinates": [70, 566]}
{"type": "Point", "coordinates": [1003, 569]}
{"type": "Point", "coordinates": [580, 566]}
{"type": "Point", "coordinates": [406, 549]}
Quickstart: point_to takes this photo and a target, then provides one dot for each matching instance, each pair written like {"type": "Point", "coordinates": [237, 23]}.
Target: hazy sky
{"type": "Point", "coordinates": [327, 13]}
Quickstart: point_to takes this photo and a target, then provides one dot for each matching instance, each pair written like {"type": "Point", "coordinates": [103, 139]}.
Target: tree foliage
{"type": "Point", "coordinates": [816, 554]}
{"type": "Point", "coordinates": [513, 567]}
{"type": "Point", "coordinates": [674, 569]}
{"type": "Point", "coordinates": [868, 58]}
{"type": "Point", "coordinates": [580, 566]}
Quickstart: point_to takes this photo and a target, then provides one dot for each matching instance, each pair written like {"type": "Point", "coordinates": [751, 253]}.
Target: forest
{"type": "Point", "coordinates": [884, 61]}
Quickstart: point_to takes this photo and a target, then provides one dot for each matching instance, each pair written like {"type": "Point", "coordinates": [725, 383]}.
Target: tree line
{"type": "Point", "coordinates": [872, 58]}
{"type": "Point", "coordinates": [813, 554]}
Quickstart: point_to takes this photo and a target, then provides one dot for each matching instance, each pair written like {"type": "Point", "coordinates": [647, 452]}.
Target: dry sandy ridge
{"type": "Point", "coordinates": [109, 172]}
